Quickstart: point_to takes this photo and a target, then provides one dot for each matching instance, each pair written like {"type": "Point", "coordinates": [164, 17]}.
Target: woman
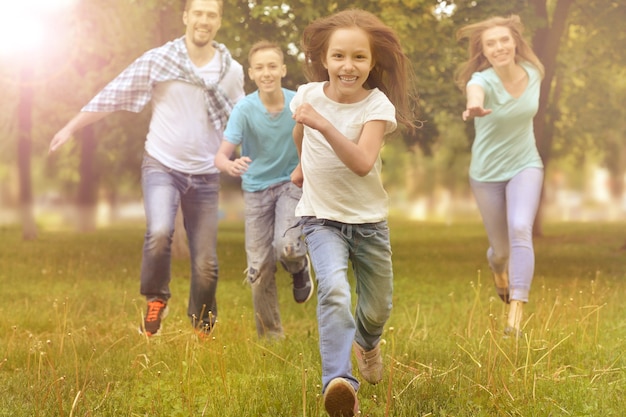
{"type": "Point", "coordinates": [502, 79]}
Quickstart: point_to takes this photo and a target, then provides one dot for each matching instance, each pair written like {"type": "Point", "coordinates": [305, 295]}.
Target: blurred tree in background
{"type": "Point", "coordinates": [581, 118]}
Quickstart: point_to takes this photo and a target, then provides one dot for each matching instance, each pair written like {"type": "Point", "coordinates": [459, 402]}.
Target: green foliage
{"type": "Point", "coordinates": [69, 343]}
{"type": "Point", "coordinates": [591, 95]}
{"type": "Point", "coordinates": [97, 39]}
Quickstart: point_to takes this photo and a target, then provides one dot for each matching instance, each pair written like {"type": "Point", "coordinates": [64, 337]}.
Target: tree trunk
{"type": "Point", "coordinates": [24, 109]}
{"type": "Point", "coordinates": [546, 44]}
{"type": "Point", "coordinates": [615, 161]}
{"type": "Point", "coordinates": [112, 199]}
{"type": "Point", "coordinates": [87, 197]}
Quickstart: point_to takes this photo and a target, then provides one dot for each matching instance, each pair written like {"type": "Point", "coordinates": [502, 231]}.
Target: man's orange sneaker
{"type": "Point", "coordinates": [157, 310]}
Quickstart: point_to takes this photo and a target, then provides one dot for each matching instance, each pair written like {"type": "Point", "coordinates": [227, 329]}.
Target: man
{"type": "Point", "coordinates": [193, 84]}
{"type": "Point", "coordinates": [262, 124]}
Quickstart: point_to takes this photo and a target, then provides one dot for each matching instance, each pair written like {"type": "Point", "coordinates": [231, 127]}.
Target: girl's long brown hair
{"type": "Point", "coordinates": [392, 72]}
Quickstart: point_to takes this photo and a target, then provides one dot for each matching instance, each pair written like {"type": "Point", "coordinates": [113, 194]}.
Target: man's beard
{"type": "Point", "coordinates": [202, 39]}
{"type": "Point", "coordinates": [200, 43]}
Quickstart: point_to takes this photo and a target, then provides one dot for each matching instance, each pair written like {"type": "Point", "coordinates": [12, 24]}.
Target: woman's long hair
{"type": "Point", "coordinates": [477, 60]}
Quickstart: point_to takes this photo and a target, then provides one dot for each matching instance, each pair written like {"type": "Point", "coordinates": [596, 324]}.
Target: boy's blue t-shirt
{"type": "Point", "coordinates": [505, 141]}
{"type": "Point", "coordinates": [266, 139]}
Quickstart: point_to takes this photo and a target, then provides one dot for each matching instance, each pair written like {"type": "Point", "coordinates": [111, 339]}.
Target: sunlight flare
{"type": "Point", "coordinates": [23, 24]}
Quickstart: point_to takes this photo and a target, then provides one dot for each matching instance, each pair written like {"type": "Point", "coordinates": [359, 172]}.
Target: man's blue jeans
{"type": "Point", "coordinates": [164, 189]}
{"type": "Point", "coordinates": [271, 237]}
{"type": "Point", "coordinates": [331, 246]}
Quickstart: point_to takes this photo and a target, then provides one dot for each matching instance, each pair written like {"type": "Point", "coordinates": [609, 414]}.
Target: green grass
{"type": "Point", "coordinates": [70, 309]}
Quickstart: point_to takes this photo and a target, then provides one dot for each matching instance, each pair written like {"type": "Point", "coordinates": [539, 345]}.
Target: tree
{"type": "Point", "coordinates": [578, 43]}
{"type": "Point", "coordinates": [96, 50]}
{"type": "Point", "coordinates": [592, 87]}
{"type": "Point", "coordinates": [87, 196]}
{"type": "Point", "coordinates": [24, 146]}
{"type": "Point", "coordinates": [546, 43]}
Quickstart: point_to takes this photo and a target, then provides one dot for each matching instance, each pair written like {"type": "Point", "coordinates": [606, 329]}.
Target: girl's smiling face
{"type": "Point", "coordinates": [349, 61]}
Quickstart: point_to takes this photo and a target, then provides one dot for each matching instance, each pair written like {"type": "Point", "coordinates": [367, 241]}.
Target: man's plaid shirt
{"type": "Point", "coordinates": [132, 89]}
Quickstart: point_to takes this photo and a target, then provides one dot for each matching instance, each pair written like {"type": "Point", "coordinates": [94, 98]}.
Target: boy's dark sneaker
{"type": "Point", "coordinates": [303, 283]}
{"type": "Point", "coordinates": [157, 310]}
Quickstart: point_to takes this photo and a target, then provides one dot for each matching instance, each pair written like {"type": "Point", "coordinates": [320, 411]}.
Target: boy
{"type": "Point", "coordinates": [262, 124]}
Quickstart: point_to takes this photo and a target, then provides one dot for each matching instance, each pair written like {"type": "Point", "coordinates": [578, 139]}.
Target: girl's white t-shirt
{"type": "Point", "coordinates": [330, 189]}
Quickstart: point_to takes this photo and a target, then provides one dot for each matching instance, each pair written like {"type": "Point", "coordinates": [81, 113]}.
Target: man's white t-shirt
{"type": "Point", "coordinates": [181, 136]}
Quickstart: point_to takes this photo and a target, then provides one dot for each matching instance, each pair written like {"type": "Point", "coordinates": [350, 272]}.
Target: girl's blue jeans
{"type": "Point", "coordinates": [331, 246]}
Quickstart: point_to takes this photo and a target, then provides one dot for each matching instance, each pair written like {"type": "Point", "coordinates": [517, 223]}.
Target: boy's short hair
{"type": "Point", "coordinates": [265, 44]}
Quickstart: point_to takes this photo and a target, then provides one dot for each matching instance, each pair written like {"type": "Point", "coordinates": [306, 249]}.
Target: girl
{"type": "Point", "coordinates": [358, 73]}
{"type": "Point", "coordinates": [501, 79]}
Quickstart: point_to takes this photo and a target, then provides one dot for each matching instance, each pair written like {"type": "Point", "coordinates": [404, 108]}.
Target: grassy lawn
{"type": "Point", "coordinates": [70, 308]}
